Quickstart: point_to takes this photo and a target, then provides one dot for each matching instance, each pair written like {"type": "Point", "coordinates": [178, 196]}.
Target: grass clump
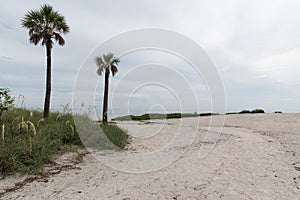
{"type": "Point", "coordinates": [116, 135]}
{"type": "Point", "coordinates": [28, 140]}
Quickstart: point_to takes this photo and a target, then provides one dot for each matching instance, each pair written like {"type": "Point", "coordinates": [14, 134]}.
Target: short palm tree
{"type": "Point", "coordinates": [43, 26]}
{"type": "Point", "coordinates": [106, 64]}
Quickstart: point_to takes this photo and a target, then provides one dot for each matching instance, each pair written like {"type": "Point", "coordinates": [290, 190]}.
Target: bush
{"type": "Point", "coordinates": [258, 111]}
{"type": "Point", "coordinates": [208, 114]}
{"type": "Point", "coordinates": [245, 112]}
{"type": "Point", "coordinates": [253, 111]}
{"type": "Point", "coordinates": [232, 113]}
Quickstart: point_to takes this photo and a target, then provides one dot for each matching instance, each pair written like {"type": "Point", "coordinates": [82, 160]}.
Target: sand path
{"type": "Point", "coordinates": [256, 157]}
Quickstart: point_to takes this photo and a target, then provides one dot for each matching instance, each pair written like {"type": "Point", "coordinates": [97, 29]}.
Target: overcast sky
{"type": "Point", "coordinates": [254, 44]}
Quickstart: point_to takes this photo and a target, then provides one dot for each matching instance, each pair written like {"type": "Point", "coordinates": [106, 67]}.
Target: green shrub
{"type": "Point", "coordinates": [232, 113]}
{"type": "Point", "coordinates": [252, 111]}
{"type": "Point", "coordinates": [245, 112]}
{"type": "Point", "coordinates": [258, 111]}
{"type": "Point", "coordinates": [208, 114]}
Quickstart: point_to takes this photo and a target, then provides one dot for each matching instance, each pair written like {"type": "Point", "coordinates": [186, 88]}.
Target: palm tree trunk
{"type": "Point", "coordinates": [48, 81]}
{"type": "Point", "coordinates": [105, 99]}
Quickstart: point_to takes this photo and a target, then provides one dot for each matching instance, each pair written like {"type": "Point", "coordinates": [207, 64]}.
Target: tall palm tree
{"type": "Point", "coordinates": [106, 64]}
{"type": "Point", "coordinates": [43, 26]}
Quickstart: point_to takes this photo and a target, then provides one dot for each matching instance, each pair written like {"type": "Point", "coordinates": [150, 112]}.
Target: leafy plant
{"type": "Point", "coordinates": [6, 101]}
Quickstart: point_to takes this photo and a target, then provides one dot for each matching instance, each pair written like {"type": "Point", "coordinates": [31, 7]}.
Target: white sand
{"type": "Point", "coordinates": [256, 157]}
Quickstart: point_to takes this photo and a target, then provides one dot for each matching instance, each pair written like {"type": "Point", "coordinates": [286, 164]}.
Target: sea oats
{"type": "Point", "coordinates": [3, 132]}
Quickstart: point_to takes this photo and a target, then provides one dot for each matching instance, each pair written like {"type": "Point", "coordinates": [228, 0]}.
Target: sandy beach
{"type": "Point", "coordinates": [256, 157]}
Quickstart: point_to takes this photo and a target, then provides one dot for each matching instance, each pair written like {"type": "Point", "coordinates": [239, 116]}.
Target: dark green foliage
{"type": "Point", "coordinates": [245, 112]}
{"type": "Point", "coordinates": [207, 114]}
{"type": "Point", "coordinates": [258, 111]}
{"type": "Point", "coordinates": [232, 113]}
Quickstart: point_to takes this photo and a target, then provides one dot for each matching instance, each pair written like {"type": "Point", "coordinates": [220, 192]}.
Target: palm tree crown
{"type": "Point", "coordinates": [44, 25]}
{"type": "Point", "coordinates": [107, 63]}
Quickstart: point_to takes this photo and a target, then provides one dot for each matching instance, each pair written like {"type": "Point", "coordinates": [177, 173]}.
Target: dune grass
{"type": "Point", "coordinates": [28, 140]}
{"type": "Point", "coordinates": [116, 135]}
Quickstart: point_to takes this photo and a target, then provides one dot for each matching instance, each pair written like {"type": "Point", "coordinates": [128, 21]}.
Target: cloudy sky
{"type": "Point", "coordinates": [255, 46]}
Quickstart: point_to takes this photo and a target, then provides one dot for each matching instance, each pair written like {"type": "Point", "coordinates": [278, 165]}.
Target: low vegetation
{"type": "Point", "coordinates": [28, 140]}
{"type": "Point", "coordinates": [247, 112]}
{"type": "Point", "coordinates": [115, 135]}
{"type": "Point", "coordinates": [258, 111]}
{"type": "Point", "coordinates": [149, 116]}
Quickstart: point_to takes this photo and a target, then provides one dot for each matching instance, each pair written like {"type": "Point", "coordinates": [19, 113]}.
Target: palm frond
{"type": "Point", "coordinates": [108, 63]}
{"type": "Point", "coordinates": [46, 11]}
{"type": "Point", "coordinates": [99, 61]}
{"type": "Point", "coordinates": [47, 41]}
{"type": "Point", "coordinates": [100, 70]}
{"type": "Point", "coordinates": [113, 69]}
{"type": "Point", "coordinates": [100, 64]}
{"type": "Point", "coordinates": [108, 57]}
{"type": "Point", "coordinates": [61, 25]}
{"type": "Point", "coordinates": [59, 39]}
{"type": "Point", "coordinates": [35, 38]}
{"type": "Point", "coordinates": [115, 61]}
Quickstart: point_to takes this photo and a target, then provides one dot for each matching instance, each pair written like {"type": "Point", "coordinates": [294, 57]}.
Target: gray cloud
{"type": "Point", "coordinates": [254, 44]}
